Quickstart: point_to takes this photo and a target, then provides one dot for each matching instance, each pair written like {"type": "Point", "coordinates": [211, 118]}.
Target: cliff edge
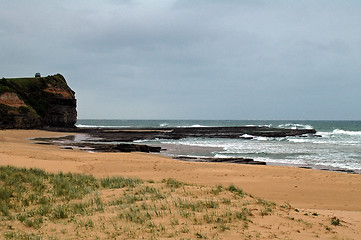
{"type": "Point", "coordinates": [37, 102]}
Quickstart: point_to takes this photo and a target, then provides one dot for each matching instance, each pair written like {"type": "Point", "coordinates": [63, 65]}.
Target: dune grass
{"type": "Point", "coordinates": [39, 205]}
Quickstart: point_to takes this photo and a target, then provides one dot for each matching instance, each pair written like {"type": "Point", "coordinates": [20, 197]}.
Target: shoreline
{"type": "Point", "coordinates": [97, 140]}
{"type": "Point", "coordinates": [303, 188]}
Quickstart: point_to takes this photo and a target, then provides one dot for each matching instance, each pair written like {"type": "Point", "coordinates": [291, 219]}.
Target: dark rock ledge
{"type": "Point", "coordinates": [223, 160]}
{"type": "Point", "coordinates": [68, 142]}
{"type": "Point", "coordinates": [245, 132]}
{"type": "Point", "coordinates": [123, 147]}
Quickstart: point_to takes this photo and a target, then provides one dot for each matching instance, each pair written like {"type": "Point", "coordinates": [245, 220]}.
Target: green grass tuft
{"type": "Point", "coordinates": [238, 191]}
{"type": "Point", "coordinates": [335, 221]}
{"type": "Point", "coordinates": [173, 183]}
{"type": "Point", "coordinates": [120, 182]}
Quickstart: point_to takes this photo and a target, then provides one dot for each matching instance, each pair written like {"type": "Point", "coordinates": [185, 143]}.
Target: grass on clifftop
{"type": "Point", "coordinates": [39, 205]}
{"type": "Point", "coordinates": [30, 90]}
{"type": "Point", "coordinates": [28, 82]}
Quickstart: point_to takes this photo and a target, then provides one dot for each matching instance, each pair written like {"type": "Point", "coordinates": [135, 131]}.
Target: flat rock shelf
{"type": "Point", "coordinates": [246, 132]}
{"type": "Point", "coordinates": [122, 140]}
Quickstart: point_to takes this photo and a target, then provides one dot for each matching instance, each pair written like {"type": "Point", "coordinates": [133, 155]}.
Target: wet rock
{"type": "Point", "coordinates": [128, 135]}
{"type": "Point", "coordinates": [136, 148]}
{"type": "Point", "coordinates": [223, 160]}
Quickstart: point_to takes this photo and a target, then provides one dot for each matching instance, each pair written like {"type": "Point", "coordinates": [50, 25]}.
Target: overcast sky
{"type": "Point", "coordinates": [192, 59]}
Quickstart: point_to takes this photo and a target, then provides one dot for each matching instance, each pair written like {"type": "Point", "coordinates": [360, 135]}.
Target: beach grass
{"type": "Point", "coordinates": [38, 205]}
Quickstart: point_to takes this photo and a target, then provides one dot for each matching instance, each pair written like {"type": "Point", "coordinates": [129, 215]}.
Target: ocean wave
{"type": "Point", "coordinates": [298, 140]}
{"type": "Point", "coordinates": [344, 132]}
{"type": "Point", "coordinates": [295, 126]}
{"type": "Point", "coordinates": [247, 136]}
{"type": "Point", "coordinates": [86, 126]}
{"type": "Point", "coordinates": [340, 133]}
{"type": "Point", "coordinates": [256, 138]}
{"type": "Point", "coordinates": [140, 141]}
{"type": "Point", "coordinates": [98, 126]}
{"type": "Point", "coordinates": [263, 138]}
{"type": "Point", "coordinates": [194, 142]}
{"type": "Point", "coordinates": [261, 125]}
{"type": "Point", "coordinates": [195, 125]}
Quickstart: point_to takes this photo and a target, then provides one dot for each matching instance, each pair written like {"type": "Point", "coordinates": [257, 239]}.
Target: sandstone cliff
{"type": "Point", "coordinates": [37, 102]}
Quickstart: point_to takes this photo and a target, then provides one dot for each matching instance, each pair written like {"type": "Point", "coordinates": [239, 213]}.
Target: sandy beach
{"type": "Point", "coordinates": [328, 193]}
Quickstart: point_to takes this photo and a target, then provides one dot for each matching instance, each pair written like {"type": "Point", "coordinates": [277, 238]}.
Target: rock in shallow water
{"type": "Point", "coordinates": [224, 160]}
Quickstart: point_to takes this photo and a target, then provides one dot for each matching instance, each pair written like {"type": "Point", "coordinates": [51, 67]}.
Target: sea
{"type": "Point", "coordinates": [336, 146]}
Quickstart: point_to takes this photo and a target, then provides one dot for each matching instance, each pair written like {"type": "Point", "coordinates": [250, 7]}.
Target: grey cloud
{"type": "Point", "coordinates": [192, 59]}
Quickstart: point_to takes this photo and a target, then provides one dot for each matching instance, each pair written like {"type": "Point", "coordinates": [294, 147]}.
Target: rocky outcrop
{"type": "Point", "coordinates": [122, 147]}
{"type": "Point", "coordinates": [221, 160]}
{"type": "Point", "coordinates": [37, 102]}
{"type": "Point", "coordinates": [245, 132]}
{"type": "Point", "coordinates": [68, 142]}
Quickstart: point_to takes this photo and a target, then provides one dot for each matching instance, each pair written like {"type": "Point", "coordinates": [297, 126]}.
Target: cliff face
{"type": "Point", "coordinates": [37, 102]}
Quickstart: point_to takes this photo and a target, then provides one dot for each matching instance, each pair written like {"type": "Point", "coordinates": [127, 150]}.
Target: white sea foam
{"type": "Point", "coordinates": [343, 132]}
{"type": "Point", "coordinates": [85, 126]}
{"type": "Point", "coordinates": [324, 134]}
{"type": "Point", "coordinates": [341, 137]}
{"type": "Point", "coordinates": [247, 136]}
{"type": "Point", "coordinates": [194, 142]}
{"type": "Point", "coordinates": [298, 140]}
{"type": "Point", "coordinates": [262, 125]}
{"type": "Point", "coordinates": [262, 138]}
{"type": "Point", "coordinates": [195, 125]}
{"type": "Point", "coordinates": [98, 126]}
{"type": "Point", "coordinates": [295, 126]}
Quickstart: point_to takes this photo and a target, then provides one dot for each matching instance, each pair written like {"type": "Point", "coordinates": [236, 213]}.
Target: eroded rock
{"type": "Point", "coordinates": [37, 102]}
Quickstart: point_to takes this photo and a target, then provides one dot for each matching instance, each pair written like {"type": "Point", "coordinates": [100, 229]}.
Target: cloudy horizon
{"type": "Point", "coordinates": [182, 59]}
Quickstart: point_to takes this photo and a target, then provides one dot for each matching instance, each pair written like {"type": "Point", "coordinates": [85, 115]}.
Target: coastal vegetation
{"type": "Point", "coordinates": [35, 204]}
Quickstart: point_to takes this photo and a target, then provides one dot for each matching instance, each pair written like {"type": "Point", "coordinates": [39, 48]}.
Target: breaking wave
{"type": "Point", "coordinates": [98, 126]}
{"type": "Point", "coordinates": [295, 126]}
{"type": "Point", "coordinates": [344, 132]}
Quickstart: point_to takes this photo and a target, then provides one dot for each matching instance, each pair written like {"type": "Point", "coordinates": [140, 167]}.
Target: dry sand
{"type": "Point", "coordinates": [328, 193]}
